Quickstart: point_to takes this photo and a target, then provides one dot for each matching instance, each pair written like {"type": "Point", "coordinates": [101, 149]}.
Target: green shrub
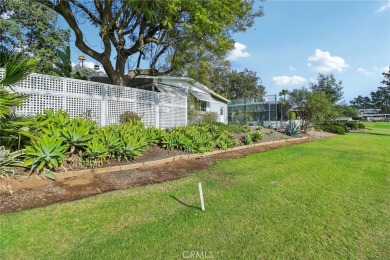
{"type": "Point", "coordinates": [334, 128]}
{"type": "Point", "coordinates": [256, 136]}
{"type": "Point", "coordinates": [361, 125]}
{"type": "Point", "coordinates": [128, 116]}
{"type": "Point", "coordinates": [292, 115]}
{"type": "Point", "coordinates": [353, 125]}
{"type": "Point", "coordinates": [199, 118]}
{"type": "Point", "coordinates": [247, 139]}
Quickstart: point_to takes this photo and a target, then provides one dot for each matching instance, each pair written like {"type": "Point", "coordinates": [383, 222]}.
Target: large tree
{"type": "Point", "coordinates": [31, 28]}
{"type": "Point", "coordinates": [328, 85]}
{"type": "Point", "coordinates": [159, 35]}
{"type": "Point", "coordinates": [317, 105]}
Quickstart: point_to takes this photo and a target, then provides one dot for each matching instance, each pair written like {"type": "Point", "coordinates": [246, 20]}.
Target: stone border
{"type": "Point", "coordinates": [65, 175]}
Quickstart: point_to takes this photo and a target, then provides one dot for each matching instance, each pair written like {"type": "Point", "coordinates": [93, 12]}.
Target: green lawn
{"type": "Point", "coordinates": [322, 200]}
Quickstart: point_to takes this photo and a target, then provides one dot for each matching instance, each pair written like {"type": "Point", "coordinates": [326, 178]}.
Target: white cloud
{"type": "Point", "coordinates": [385, 69]}
{"type": "Point", "coordinates": [287, 80]}
{"type": "Point", "coordinates": [373, 71]}
{"type": "Point", "coordinates": [322, 61]}
{"type": "Point", "coordinates": [292, 68]}
{"type": "Point", "coordinates": [364, 71]}
{"type": "Point", "coordinates": [384, 7]}
{"type": "Point", "coordinates": [238, 52]}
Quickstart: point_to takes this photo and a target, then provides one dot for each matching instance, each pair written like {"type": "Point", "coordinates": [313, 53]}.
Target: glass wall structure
{"type": "Point", "coordinates": [253, 111]}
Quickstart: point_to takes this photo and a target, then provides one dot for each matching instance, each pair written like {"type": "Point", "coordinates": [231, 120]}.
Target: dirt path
{"type": "Point", "coordinates": [31, 192]}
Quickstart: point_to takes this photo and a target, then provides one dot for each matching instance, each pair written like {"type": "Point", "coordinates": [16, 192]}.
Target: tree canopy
{"type": "Point", "coordinates": [160, 35]}
{"type": "Point", "coordinates": [31, 28]}
{"type": "Point", "coordinates": [328, 85]}
{"type": "Point", "coordinates": [317, 105]}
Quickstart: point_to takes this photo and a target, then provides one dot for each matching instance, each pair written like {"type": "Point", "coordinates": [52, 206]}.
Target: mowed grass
{"type": "Point", "coordinates": [326, 199]}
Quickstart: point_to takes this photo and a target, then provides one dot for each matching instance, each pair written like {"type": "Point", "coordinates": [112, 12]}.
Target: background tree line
{"type": "Point", "coordinates": [379, 99]}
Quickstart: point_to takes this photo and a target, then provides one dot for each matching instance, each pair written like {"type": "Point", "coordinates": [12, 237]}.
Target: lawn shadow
{"type": "Point", "coordinates": [368, 133]}
{"type": "Point", "coordinates": [183, 203]}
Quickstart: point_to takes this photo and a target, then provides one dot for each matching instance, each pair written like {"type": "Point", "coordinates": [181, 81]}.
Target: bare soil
{"type": "Point", "coordinates": [28, 192]}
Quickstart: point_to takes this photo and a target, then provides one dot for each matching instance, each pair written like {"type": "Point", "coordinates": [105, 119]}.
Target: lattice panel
{"type": "Point", "coordinates": [116, 108]}
{"type": "Point", "coordinates": [87, 108]}
{"type": "Point", "coordinates": [83, 87]}
{"type": "Point", "coordinates": [147, 112]}
{"type": "Point", "coordinates": [35, 81]}
{"type": "Point", "coordinates": [121, 92]}
{"type": "Point", "coordinates": [37, 104]}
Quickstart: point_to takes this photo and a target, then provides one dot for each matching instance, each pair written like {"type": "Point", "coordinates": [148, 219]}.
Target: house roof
{"type": "Point", "coordinates": [182, 82]}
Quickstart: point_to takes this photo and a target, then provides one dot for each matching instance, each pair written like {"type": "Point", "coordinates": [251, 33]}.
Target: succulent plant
{"type": "Point", "coordinates": [292, 129]}
{"type": "Point", "coordinates": [8, 161]}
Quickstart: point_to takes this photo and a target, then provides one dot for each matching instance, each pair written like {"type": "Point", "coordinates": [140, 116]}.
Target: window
{"type": "Point", "coordinates": [202, 105]}
{"type": "Point", "coordinates": [221, 113]}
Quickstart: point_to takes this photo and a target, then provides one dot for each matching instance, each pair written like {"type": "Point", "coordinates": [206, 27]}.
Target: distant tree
{"type": "Point", "coordinates": [314, 107]}
{"type": "Point", "coordinates": [329, 86]}
{"type": "Point", "coordinates": [32, 29]}
{"type": "Point", "coordinates": [297, 98]}
{"type": "Point", "coordinates": [379, 99]}
{"type": "Point", "coordinates": [386, 80]}
{"type": "Point", "coordinates": [241, 84]}
{"type": "Point", "coordinates": [63, 66]}
{"type": "Point", "coordinates": [346, 111]}
{"type": "Point", "coordinates": [318, 109]}
{"type": "Point", "coordinates": [284, 104]}
{"type": "Point", "coordinates": [362, 102]}
{"type": "Point", "coordinates": [283, 93]}
{"type": "Point", "coordinates": [160, 35]}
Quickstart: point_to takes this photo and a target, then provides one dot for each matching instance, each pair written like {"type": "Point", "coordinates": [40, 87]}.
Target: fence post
{"type": "Point", "coordinates": [64, 98]}
{"type": "Point", "coordinates": [103, 111]}
{"type": "Point", "coordinates": [157, 103]}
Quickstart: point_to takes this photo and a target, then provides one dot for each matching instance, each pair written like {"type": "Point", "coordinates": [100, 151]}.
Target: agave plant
{"type": "Point", "coordinates": [76, 135]}
{"type": "Point", "coordinates": [58, 119]}
{"type": "Point", "coordinates": [45, 154]}
{"type": "Point", "coordinates": [131, 147]}
{"type": "Point", "coordinates": [96, 152]}
{"type": "Point", "coordinates": [111, 140]}
{"type": "Point", "coordinates": [292, 129]}
{"type": "Point", "coordinates": [9, 161]}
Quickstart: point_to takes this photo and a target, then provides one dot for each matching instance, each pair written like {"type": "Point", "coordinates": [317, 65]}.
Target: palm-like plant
{"type": "Point", "coordinates": [16, 68]}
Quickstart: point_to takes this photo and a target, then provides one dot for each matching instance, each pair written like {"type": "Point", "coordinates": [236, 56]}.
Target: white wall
{"type": "Point", "coordinates": [216, 107]}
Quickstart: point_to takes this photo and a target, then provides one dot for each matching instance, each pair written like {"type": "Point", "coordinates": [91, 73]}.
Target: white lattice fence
{"type": "Point", "coordinates": [103, 102]}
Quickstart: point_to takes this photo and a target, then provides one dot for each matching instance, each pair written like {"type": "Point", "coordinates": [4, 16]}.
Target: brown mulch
{"type": "Point", "coordinates": [28, 192]}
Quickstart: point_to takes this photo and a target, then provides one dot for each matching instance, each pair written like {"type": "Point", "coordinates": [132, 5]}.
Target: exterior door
{"type": "Point", "coordinates": [222, 114]}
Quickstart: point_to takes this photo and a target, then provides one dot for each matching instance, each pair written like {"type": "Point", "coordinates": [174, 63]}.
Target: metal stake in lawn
{"type": "Point", "coordinates": [201, 196]}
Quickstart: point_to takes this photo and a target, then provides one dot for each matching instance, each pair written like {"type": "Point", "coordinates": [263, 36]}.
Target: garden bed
{"type": "Point", "coordinates": [28, 192]}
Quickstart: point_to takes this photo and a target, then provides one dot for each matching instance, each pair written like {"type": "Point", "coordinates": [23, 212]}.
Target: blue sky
{"type": "Point", "coordinates": [296, 40]}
